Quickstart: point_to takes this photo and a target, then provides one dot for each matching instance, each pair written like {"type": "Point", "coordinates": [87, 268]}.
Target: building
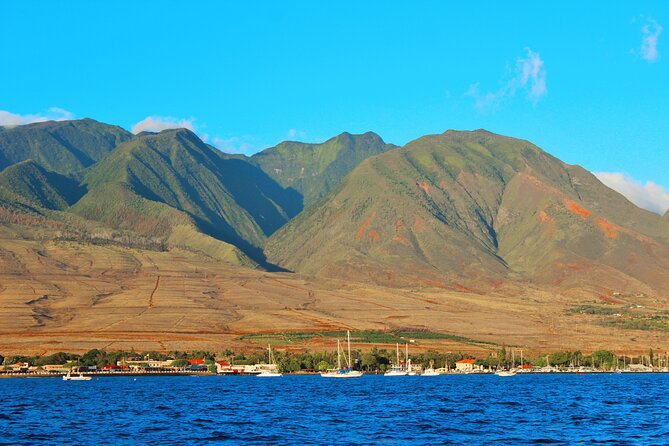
{"type": "Point", "coordinates": [467, 365]}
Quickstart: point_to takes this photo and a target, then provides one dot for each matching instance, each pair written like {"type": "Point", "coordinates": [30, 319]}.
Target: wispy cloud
{"type": "Point", "coordinates": [294, 133]}
{"type": "Point", "coordinates": [650, 34]}
{"type": "Point", "coordinates": [9, 119]}
{"type": "Point", "coordinates": [236, 144]}
{"type": "Point", "coordinates": [159, 123]}
{"type": "Point", "coordinates": [528, 75]}
{"type": "Point", "coordinates": [650, 196]}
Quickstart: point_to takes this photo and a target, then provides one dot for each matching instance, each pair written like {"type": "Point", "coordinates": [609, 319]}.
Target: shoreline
{"type": "Point", "coordinates": [201, 374]}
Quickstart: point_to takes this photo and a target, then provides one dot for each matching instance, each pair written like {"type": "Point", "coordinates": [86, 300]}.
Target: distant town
{"type": "Point", "coordinates": [375, 361]}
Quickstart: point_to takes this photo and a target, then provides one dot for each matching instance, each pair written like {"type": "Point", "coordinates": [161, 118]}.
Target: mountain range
{"type": "Point", "coordinates": [459, 210]}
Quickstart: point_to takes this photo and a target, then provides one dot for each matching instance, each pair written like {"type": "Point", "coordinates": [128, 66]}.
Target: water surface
{"type": "Point", "coordinates": [525, 409]}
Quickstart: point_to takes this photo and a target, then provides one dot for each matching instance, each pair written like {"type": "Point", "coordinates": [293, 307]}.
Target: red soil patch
{"type": "Point", "coordinates": [434, 283]}
{"type": "Point", "coordinates": [610, 300]}
{"type": "Point", "coordinates": [419, 224]}
{"type": "Point", "coordinates": [544, 217]}
{"type": "Point", "coordinates": [575, 208]}
{"type": "Point", "coordinates": [461, 287]}
{"type": "Point", "coordinates": [374, 236]}
{"type": "Point", "coordinates": [399, 226]}
{"type": "Point", "coordinates": [365, 224]}
{"type": "Point", "coordinates": [607, 227]}
{"type": "Point", "coordinates": [402, 240]}
{"type": "Point", "coordinates": [424, 185]}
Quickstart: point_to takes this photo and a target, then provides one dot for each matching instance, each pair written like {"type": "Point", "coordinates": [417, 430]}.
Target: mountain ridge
{"type": "Point", "coordinates": [313, 169]}
{"type": "Point", "coordinates": [474, 207]}
{"type": "Point", "coordinates": [225, 198]}
{"type": "Point", "coordinates": [65, 147]}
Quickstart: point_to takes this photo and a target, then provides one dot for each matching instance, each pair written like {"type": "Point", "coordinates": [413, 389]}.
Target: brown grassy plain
{"type": "Point", "coordinates": [65, 296]}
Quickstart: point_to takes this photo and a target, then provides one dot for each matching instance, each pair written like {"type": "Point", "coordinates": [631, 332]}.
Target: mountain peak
{"type": "Point", "coordinates": [367, 136]}
{"type": "Point", "coordinates": [61, 146]}
{"type": "Point", "coordinates": [314, 169]}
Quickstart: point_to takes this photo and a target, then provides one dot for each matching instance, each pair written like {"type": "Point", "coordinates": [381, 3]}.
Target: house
{"type": "Point", "coordinates": [19, 367]}
{"type": "Point", "coordinates": [467, 365]}
{"type": "Point", "coordinates": [56, 368]}
{"type": "Point", "coordinates": [198, 365]}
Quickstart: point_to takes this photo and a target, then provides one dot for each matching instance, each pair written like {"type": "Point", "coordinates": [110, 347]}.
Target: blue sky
{"type": "Point", "coordinates": [586, 81]}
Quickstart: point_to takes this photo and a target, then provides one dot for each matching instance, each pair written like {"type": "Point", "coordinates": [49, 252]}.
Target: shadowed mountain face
{"type": "Point", "coordinates": [65, 147]}
{"type": "Point", "coordinates": [28, 182]}
{"type": "Point", "coordinates": [314, 169]}
{"type": "Point", "coordinates": [471, 209]}
{"type": "Point", "coordinates": [173, 176]}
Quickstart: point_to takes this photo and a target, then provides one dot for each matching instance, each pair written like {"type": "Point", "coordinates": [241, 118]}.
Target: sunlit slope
{"type": "Point", "coordinates": [160, 180]}
{"type": "Point", "coordinates": [474, 209]}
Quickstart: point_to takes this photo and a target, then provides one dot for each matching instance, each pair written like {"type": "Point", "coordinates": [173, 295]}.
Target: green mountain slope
{"type": "Point", "coordinates": [65, 147]}
{"type": "Point", "coordinates": [314, 169]}
{"type": "Point", "coordinates": [156, 182]}
{"type": "Point", "coordinates": [28, 181]}
{"type": "Point", "coordinates": [474, 209]}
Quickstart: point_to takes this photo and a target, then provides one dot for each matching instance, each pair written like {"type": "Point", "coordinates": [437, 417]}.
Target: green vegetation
{"type": "Point", "coordinates": [363, 337]}
{"type": "Point", "coordinates": [65, 147]}
{"type": "Point", "coordinates": [640, 322]}
{"type": "Point", "coordinates": [315, 169]}
{"type": "Point", "coordinates": [371, 360]}
{"type": "Point", "coordinates": [447, 210]}
{"type": "Point", "coordinates": [173, 178]}
{"type": "Point", "coordinates": [594, 309]}
{"type": "Point", "coordinates": [28, 181]}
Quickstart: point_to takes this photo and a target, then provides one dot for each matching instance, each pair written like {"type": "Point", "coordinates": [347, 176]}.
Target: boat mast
{"type": "Point", "coordinates": [338, 356]}
{"type": "Point", "coordinates": [407, 364]}
{"type": "Point", "coordinates": [348, 335]}
{"type": "Point", "coordinates": [398, 355]}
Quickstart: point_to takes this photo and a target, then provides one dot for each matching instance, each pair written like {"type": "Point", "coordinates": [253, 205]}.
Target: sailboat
{"type": "Point", "coordinates": [512, 371]}
{"type": "Point", "coordinates": [271, 370]}
{"type": "Point", "coordinates": [341, 372]}
{"type": "Point", "coordinates": [430, 371]}
{"type": "Point", "coordinates": [410, 371]}
{"type": "Point", "coordinates": [396, 370]}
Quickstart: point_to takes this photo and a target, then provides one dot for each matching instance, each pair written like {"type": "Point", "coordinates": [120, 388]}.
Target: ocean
{"type": "Point", "coordinates": [448, 409]}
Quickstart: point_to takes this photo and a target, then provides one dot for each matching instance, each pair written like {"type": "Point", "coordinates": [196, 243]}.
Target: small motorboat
{"type": "Point", "coordinates": [79, 377]}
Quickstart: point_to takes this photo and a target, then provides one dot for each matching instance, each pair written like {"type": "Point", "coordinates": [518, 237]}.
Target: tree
{"type": "Point", "coordinates": [180, 363]}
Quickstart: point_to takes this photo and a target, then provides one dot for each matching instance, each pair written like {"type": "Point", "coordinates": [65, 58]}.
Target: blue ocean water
{"type": "Point", "coordinates": [525, 409]}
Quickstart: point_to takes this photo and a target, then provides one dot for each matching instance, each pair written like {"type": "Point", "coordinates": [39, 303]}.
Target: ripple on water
{"type": "Point", "coordinates": [536, 409]}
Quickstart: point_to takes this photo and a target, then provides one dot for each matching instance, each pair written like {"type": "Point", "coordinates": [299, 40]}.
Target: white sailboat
{"type": "Point", "coordinates": [410, 371]}
{"type": "Point", "coordinates": [510, 372]}
{"type": "Point", "coordinates": [396, 370]}
{"type": "Point", "coordinates": [80, 377]}
{"type": "Point", "coordinates": [341, 372]}
{"type": "Point", "coordinates": [271, 371]}
{"type": "Point", "coordinates": [430, 371]}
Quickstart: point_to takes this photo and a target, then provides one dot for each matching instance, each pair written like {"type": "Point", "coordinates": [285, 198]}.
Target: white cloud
{"type": "Point", "coordinates": [236, 144]}
{"type": "Point", "coordinates": [159, 123]}
{"type": "Point", "coordinates": [8, 119]}
{"type": "Point", "coordinates": [529, 75]}
{"type": "Point", "coordinates": [650, 196]}
{"type": "Point", "coordinates": [650, 32]}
